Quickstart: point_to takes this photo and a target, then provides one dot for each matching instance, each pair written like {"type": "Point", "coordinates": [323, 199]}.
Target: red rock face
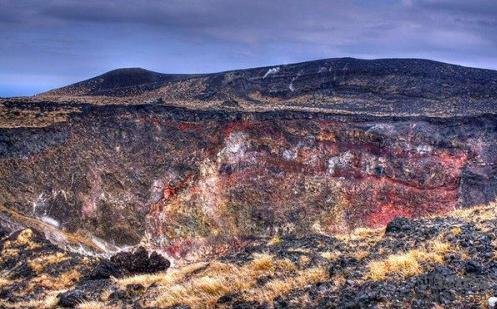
{"type": "Point", "coordinates": [193, 184]}
{"type": "Point", "coordinates": [268, 177]}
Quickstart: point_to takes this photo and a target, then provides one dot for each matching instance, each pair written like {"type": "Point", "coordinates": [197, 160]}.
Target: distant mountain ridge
{"type": "Point", "coordinates": [383, 86]}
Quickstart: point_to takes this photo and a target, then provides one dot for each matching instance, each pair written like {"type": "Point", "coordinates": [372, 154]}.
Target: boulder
{"type": "Point", "coordinates": [3, 232]}
{"type": "Point", "coordinates": [157, 262]}
{"type": "Point", "coordinates": [472, 267]}
{"type": "Point", "coordinates": [139, 261]}
{"type": "Point", "coordinates": [398, 225]}
{"type": "Point", "coordinates": [104, 270]}
{"type": "Point", "coordinates": [72, 298]}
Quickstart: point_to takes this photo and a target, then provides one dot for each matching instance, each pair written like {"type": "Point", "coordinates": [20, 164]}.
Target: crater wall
{"type": "Point", "coordinates": [200, 182]}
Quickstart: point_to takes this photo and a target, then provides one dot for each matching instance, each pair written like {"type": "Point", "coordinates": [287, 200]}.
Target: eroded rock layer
{"type": "Point", "coordinates": [200, 182]}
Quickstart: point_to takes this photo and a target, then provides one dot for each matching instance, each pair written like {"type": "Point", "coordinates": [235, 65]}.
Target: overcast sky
{"type": "Point", "coordinates": [50, 43]}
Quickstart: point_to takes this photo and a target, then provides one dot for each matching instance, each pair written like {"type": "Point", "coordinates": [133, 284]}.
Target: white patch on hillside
{"type": "Point", "coordinates": [108, 247]}
{"type": "Point", "coordinates": [84, 251]}
{"type": "Point", "coordinates": [341, 160]}
{"type": "Point", "coordinates": [424, 149]}
{"type": "Point", "coordinates": [291, 86]}
{"type": "Point", "coordinates": [292, 89]}
{"type": "Point", "coordinates": [49, 220]}
{"type": "Point", "coordinates": [208, 187]}
{"type": "Point", "coordinates": [39, 203]}
{"type": "Point", "coordinates": [381, 128]}
{"type": "Point", "coordinates": [156, 191]}
{"type": "Point", "coordinates": [289, 154]}
{"type": "Point", "coordinates": [234, 150]}
{"type": "Point", "coordinates": [271, 71]}
{"type": "Point", "coordinates": [372, 163]}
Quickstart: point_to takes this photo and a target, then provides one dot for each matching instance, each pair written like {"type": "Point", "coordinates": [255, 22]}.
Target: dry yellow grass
{"type": "Point", "coordinates": [4, 282]}
{"type": "Point", "coordinates": [25, 238]}
{"type": "Point", "coordinates": [40, 263]}
{"type": "Point", "coordinates": [440, 248]}
{"type": "Point", "coordinates": [262, 262]}
{"type": "Point", "coordinates": [8, 252]}
{"type": "Point", "coordinates": [203, 290]}
{"type": "Point", "coordinates": [330, 255]}
{"type": "Point", "coordinates": [49, 302]}
{"type": "Point", "coordinates": [219, 279]}
{"type": "Point", "coordinates": [401, 264]}
{"type": "Point", "coordinates": [477, 213]}
{"type": "Point", "coordinates": [361, 255]}
{"type": "Point", "coordinates": [11, 249]}
{"type": "Point", "coordinates": [105, 296]}
{"type": "Point", "coordinates": [361, 232]}
{"type": "Point", "coordinates": [93, 305]}
{"type": "Point", "coordinates": [369, 235]}
{"type": "Point", "coordinates": [274, 241]}
{"type": "Point", "coordinates": [409, 263]}
{"type": "Point", "coordinates": [55, 283]}
{"type": "Point", "coordinates": [279, 287]}
{"type": "Point", "coordinates": [456, 231]}
{"type": "Point", "coordinates": [304, 260]}
{"type": "Point", "coordinates": [286, 265]}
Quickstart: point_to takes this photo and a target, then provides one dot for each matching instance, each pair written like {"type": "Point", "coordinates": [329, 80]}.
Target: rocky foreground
{"type": "Point", "coordinates": [435, 262]}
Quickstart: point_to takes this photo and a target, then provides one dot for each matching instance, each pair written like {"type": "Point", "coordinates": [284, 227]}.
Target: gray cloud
{"type": "Point", "coordinates": [67, 40]}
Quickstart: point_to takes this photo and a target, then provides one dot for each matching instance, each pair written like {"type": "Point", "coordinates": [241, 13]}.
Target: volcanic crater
{"type": "Point", "coordinates": [204, 166]}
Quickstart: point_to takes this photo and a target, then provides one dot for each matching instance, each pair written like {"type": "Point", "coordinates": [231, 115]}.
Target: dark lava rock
{"type": "Point", "coordinates": [3, 232]}
{"type": "Point", "coordinates": [180, 307]}
{"type": "Point", "coordinates": [72, 298]}
{"type": "Point", "coordinates": [249, 305]}
{"type": "Point", "coordinates": [117, 295]}
{"type": "Point", "coordinates": [397, 225]}
{"type": "Point", "coordinates": [23, 271]}
{"type": "Point", "coordinates": [157, 262]}
{"type": "Point", "coordinates": [263, 280]}
{"type": "Point", "coordinates": [472, 267]}
{"type": "Point", "coordinates": [228, 298]}
{"type": "Point", "coordinates": [104, 270]}
{"type": "Point", "coordinates": [341, 263]}
{"type": "Point", "coordinates": [352, 305]}
{"type": "Point", "coordinates": [280, 303]}
{"type": "Point", "coordinates": [139, 261]}
{"type": "Point", "coordinates": [134, 289]}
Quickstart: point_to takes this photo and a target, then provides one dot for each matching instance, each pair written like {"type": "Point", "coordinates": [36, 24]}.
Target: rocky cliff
{"type": "Point", "coordinates": [199, 165]}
